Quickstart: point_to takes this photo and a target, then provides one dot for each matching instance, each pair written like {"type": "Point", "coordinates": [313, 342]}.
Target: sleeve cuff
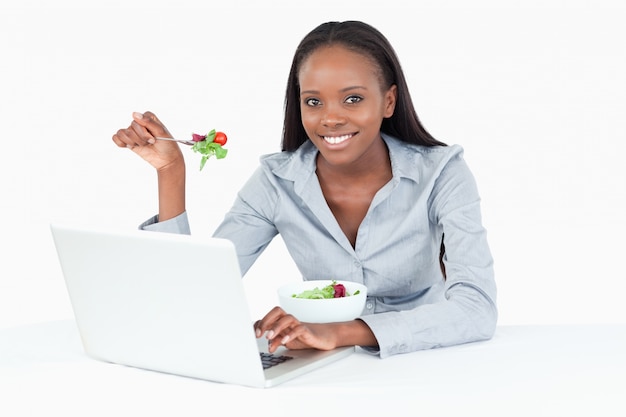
{"type": "Point", "coordinates": [178, 224]}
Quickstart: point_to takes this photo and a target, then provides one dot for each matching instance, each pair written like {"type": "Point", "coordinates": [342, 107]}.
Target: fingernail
{"type": "Point", "coordinates": [257, 332]}
{"type": "Point", "coordinates": [285, 340]}
{"type": "Point", "coordinates": [270, 334]}
{"type": "Point", "coordinates": [151, 141]}
{"type": "Point", "coordinates": [137, 115]}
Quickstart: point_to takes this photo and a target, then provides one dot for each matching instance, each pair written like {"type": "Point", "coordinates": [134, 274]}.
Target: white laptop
{"type": "Point", "coordinates": [170, 303]}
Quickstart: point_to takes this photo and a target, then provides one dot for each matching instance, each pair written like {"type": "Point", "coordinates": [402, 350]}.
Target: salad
{"type": "Point", "coordinates": [334, 290]}
{"type": "Point", "coordinates": [210, 144]}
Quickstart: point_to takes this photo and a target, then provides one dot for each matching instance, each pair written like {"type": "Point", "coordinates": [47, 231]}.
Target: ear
{"type": "Point", "coordinates": [390, 101]}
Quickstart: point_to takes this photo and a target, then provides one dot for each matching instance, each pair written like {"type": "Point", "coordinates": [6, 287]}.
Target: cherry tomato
{"type": "Point", "coordinates": [220, 138]}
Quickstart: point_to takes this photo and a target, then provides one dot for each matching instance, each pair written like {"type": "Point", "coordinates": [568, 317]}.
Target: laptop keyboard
{"type": "Point", "coordinates": [269, 359]}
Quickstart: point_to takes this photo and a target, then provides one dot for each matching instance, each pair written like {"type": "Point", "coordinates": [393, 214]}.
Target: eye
{"type": "Point", "coordinates": [353, 99]}
{"type": "Point", "coordinates": [312, 102]}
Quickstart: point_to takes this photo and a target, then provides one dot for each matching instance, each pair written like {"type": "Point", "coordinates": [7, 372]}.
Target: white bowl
{"type": "Point", "coordinates": [327, 310]}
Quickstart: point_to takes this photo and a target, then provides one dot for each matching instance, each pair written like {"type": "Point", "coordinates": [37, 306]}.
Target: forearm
{"type": "Point", "coordinates": [354, 333]}
{"type": "Point", "coordinates": [171, 180]}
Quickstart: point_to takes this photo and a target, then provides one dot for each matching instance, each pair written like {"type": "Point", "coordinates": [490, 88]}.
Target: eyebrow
{"type": "Point", "coordinates": [343, 90]}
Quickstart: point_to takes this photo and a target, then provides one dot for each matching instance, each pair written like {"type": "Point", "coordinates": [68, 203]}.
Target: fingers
{"type": "Point", "coordinates": [278, 327]}
{"type": "Point", "coordinates": [132, 136]}
{"type": "Point", "coordinates": [267, 325]}
{"type": "Point", "coordinates": [141, 132]}
{"type": "Point", "coordinates": [150, 124]}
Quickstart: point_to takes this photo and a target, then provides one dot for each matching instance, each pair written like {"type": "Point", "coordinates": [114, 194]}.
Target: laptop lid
{"type": "Point", "coordinates": [169, 303]}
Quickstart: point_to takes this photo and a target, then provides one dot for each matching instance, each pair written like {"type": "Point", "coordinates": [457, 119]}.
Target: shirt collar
{"type": "Point", "coordinates": [404, 158]}
{"type": "Point", "coordinates": [301, 164]}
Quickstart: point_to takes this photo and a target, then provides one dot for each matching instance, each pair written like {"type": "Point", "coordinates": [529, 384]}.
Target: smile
{"type": "Point", "coordinates": [334, 140]}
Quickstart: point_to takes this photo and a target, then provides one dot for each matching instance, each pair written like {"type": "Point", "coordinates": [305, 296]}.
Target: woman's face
{"type": "Point", "coordinates": [343, 104]}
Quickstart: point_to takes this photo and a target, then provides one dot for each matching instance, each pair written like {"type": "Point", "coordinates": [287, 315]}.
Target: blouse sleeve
{"type": "Point", "coordinates": [468, 311]}
{"type": "Point", "coordinates": [178, 224]}
{"type": "Point", "coordinates": [249, 223]}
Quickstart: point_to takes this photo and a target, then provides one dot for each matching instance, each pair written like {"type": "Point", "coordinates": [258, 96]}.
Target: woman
{"type": "Point", "coordinates": [361, 192]}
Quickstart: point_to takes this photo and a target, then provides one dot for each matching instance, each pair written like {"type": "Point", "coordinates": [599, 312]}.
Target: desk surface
{"type": "Point", "coordinates": [524, 370]}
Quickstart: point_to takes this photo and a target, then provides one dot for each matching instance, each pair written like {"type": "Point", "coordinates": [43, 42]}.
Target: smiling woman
{"type": "Point", "coordinates": [382, 63]}
{"type": "Point", "coordinates": [362, 193]}
{"type": "Point", "coordinates": [342, 106]}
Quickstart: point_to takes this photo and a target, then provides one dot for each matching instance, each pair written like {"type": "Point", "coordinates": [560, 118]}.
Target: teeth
{"type": "Point", "coordinates": [336, 139]}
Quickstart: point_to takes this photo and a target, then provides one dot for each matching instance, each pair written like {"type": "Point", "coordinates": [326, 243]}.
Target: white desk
{"type": "Point", "coordinates": [522, 371]}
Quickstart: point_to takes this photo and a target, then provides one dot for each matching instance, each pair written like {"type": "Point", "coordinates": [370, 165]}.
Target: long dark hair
{"type": "Point", "coordinates": [368, 41]}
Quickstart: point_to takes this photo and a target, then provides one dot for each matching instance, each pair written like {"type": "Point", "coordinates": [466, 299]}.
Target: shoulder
{"type": "Point", "coordinates": [427, 152]}
{"type": "Point", "coordinates": [420, 162]}
{"type": "Point", "coordinates": [291, 165]}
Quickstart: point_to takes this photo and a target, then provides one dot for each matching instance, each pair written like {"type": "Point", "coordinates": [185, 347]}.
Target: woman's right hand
{"type": "Point", "coordinates": [140, 138]}
{"type": "Point", "coordinates": [164, 155]}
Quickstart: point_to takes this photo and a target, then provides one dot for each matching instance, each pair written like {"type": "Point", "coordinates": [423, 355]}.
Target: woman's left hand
{"type": "Point", "coordinates": [281, 328]}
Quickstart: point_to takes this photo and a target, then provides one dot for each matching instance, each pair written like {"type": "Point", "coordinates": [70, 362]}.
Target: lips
{"type": "Point", "coordinates": [335, 140]}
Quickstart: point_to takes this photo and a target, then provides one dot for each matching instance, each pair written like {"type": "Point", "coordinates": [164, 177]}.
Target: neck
{"type": "Point", "coordinates": [372, 166]}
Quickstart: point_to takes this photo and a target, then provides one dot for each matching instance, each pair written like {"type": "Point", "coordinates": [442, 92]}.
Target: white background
{"type": "Point", "coordinates": [535, 91]}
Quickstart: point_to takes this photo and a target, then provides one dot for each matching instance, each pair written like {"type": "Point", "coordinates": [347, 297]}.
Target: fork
{"type": "Point", "coordinates": [185, 142]}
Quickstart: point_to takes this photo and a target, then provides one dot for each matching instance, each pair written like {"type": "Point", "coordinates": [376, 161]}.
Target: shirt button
{"type": "Point", "coordinates": [369, 306]}
{"type": "Point", "coordinates": [357, 264]}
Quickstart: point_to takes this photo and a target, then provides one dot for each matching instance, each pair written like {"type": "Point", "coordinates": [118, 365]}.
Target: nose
{"type": "Point", "coordinates": [333, 116]}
